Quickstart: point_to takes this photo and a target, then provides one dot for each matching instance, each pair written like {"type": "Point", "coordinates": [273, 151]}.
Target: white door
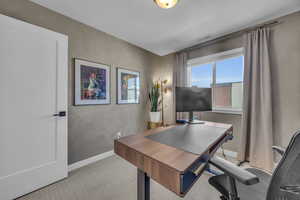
{"type": "Point", "coordinates": [33, 87]}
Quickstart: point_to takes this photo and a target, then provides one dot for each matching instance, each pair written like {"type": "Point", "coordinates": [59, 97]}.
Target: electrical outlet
{"type": "Point", "coordinates": [119, 135]}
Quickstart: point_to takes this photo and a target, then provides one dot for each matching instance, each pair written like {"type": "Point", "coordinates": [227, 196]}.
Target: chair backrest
{"type": "Point", "coordinates": [285, 182]}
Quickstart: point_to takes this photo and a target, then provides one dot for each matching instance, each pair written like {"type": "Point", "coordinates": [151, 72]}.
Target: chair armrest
{"type": "Point", "coordinates": [278, 149]}
{"type": "Point", "coordinates": [234, 171]}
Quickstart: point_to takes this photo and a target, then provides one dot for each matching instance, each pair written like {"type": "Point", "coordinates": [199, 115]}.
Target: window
{"type": "Point", "coordinates": [224, 74]}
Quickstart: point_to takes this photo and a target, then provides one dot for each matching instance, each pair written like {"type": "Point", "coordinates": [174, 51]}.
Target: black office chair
{"type": "Point", "coordinates": [253, 184]}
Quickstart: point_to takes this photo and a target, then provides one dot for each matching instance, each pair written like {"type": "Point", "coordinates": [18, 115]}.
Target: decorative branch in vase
{"type": "Point", "coordinates": [155, 101]}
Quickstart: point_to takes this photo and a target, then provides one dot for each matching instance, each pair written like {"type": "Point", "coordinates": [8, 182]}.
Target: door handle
{"type": "Point", "coordinates": [60, 114]}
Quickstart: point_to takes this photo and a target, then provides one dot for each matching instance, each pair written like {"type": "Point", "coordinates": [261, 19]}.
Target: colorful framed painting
{"type": "Point", "coordinates": [128, 84]}
{"type": "Point", "coordinates": [92, 83]}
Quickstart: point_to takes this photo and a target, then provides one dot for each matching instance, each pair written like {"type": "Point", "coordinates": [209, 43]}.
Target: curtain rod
{"type": "Point", "coordinates": [230, 35]}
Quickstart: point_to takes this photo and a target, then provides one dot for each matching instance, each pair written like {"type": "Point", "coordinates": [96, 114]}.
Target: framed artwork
{"type": "Point", "coordinates": [92, 83]}
{"type": "Point", "coordinates": [128, 86]}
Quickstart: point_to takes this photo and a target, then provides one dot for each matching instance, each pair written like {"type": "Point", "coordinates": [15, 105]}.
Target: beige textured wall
{"type": "Point", "coordinates": [162, 69]}
{"type": "Point", "coordinates": [91, 128]}
{"type": "Point", "coordinates": [285, 59]}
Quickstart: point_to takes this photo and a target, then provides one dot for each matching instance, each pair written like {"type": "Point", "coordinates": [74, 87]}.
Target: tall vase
{"type": "Point", "coordinates": [155, 117]}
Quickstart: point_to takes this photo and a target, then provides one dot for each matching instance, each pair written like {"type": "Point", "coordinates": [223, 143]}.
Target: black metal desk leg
{"type": "Point", "coordinates": [143, 185]}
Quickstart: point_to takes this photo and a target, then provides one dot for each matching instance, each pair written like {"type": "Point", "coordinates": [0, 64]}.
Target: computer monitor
{"type": "Point", "coordinates": [192, 99]}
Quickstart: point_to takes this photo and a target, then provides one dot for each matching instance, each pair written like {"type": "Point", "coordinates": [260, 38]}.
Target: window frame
{"type": "Point", "coordinates": [213, 59]}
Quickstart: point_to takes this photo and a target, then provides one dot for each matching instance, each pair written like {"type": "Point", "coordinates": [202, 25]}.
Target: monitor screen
{"type": "Point", "coordinates": [190, 99]}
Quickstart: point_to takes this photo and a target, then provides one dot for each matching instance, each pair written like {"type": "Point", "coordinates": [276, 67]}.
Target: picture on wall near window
{"type": "Point", "coordinates": [92, 83]}
{"type": "Point", "coordinates": [128, 86]}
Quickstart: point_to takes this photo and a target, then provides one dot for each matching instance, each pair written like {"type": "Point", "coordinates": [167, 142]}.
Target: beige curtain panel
{"type": "Point", "coordinates": [180, 71]}
{"type": "Point", "coordinates": [179, 78]}
{"type": "Point", "coordinates": [257, 137]}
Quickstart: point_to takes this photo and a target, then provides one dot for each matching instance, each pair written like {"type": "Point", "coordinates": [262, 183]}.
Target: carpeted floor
{"type": "Point", "coordinates": [113, 179]}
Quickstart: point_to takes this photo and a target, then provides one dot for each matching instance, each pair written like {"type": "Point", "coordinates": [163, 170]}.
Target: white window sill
{"type": "Point", "coordinates": [232, 112]}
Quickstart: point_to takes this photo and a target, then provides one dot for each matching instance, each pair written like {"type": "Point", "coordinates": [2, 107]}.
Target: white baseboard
{"type": "Point", "coordinates": [90, 160]}
{"type": "Point", "coordinates": [228, 153]}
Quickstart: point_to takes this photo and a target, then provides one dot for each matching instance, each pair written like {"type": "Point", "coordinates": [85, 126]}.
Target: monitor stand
{"type": "Point", "coordinates": [192, 121]}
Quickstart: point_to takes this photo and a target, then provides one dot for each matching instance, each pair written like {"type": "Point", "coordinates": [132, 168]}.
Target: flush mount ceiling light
{"type": "Point", "coordinates": [166, 3]}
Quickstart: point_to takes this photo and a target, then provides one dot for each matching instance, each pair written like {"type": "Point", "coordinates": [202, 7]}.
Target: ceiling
{"type": "Point", "coordinates": [164, 31]}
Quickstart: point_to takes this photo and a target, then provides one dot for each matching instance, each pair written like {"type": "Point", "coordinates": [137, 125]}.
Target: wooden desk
{"type": "Point", "coordinates": [165, 164]}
